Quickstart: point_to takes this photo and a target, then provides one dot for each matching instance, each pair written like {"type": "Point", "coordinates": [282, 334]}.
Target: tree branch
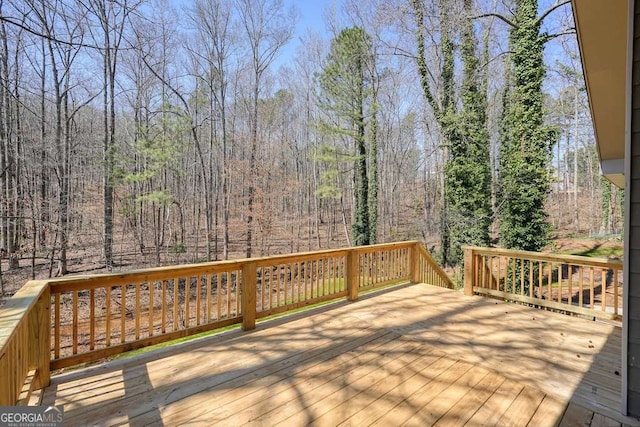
{"type": "Point", "coordinates": [551, 9]}
{"type": "Point", "coordinates": [45, 36]}
{"type": "Point", "coordinates": [548, 37]}
{"type": "Point", "coordinates": [423, 69]}
{"type": "Point", "coordinates": [496, 15]}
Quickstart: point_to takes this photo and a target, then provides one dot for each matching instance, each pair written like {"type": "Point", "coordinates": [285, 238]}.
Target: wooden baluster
{"type": "Point", "coordinates": [323, 265]}
{"type": "Point", "coordinates": [393, 260]}
{"type": "Point", "coordinates": [299, 281]}
{"type": "Point", "coordinates": [592, 303]}
{"type": "Point", "coordinates": [219, 296]}
{"type": "Point", "coordinates": [522, 261]}
{"type": "Point", "coordinates": [209, 284]}
{"type": "Point", "coordinates": [491, 268]}
{"type": "Point", "coordinates": [368, 267]}
{"type": "Point", "coordinates": [498, 273]}
{"type": "Point", "coordinates": [107, 317]}
{"type": "Point", "coordinates": [570, 284]}
{"type": "Point", "coordinates": [315, 278]}
{"type": "Point", "coordinates": [176, 299]}
{"type": "Point", "coordinates": [137, 311]}
{"type": "Point", "coordinates": [237, 293]}
{"type": "Point", "coordinates": [343, 273]}
{"type": "Point", "coordinates": [331, 264]}
{"type": "Point", "coordinates": [531, 267]}
{"type": "Point", "coordinates": [406, 263]}
{"type": "Point", "coordinates": [540, 278]}
{"type": "Point", "coordinates": [187, 302]}
{"type": "Point", "coordinates": [581, 286]}
{"type": "Point", "coordinates": [603, 288]}
{"type": "Point", "coordinates": [75, 322]}
{"type": "Point", "coordinates": [152, 290]}
{"type": "Point", "coordinates": [560, 283]}
{"type": "Point", "coordinates": [286, 280]}
{"type": "Point", "coordinates": [336, 274]}
{"type": "Point", "coordinates": [308, 284]}
{"type": "Point", "coordinates": [263, 279]}
{"type": "Point", "coordinates": [56, 328]}
{"type": "Point", "coordinates": [267, 283]}
{"type": "Point", "coordinates": [375, 270]}
{"type": "Point", "coordinates": [198, 304]}
{"type": "Point", "coordinates": [163, 322]}
{"type": "Point", "coordinates": [92, 319]}
{"type": "Point", "coordinates": [123, 313]}
{"type": "Point", "coordinates": [228, 288]}
{"type": "Point", "coordinates": [615, 292]}
{"type": "Point", "coordinates": [277, 285]}
{"type": "Point", "coordinates": [549, 280]}
{"type": "Point", "coordinates": [273, 286]}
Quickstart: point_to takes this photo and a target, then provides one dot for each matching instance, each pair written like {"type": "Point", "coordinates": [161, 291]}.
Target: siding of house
{"type": "Point", "coordinates": [633, 393]}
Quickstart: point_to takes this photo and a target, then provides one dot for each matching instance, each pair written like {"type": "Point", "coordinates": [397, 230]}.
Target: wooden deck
{"type": "Point", "coordinates": [414, 355]}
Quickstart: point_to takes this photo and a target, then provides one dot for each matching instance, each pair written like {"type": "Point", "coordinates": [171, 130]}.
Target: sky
{"type": "Point", "coordinates": [310, 17]}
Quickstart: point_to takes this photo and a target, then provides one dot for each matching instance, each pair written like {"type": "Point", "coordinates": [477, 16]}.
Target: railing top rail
{"type": "Point", "coordinates": [395, 245]}
{"type": "Point", "coordinates": [78, 282]}
{"type": "Point", "coordinates": [16, 308]}
{"type": "Point", "coordinates": [541, 256]}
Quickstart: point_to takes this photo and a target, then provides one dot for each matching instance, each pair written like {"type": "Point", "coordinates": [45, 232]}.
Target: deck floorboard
{"type": "Point", "coordinates": [413, 355]}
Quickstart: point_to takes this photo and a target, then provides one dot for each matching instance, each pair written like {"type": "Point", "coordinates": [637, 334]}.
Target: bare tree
{"type": "Point", "coordinates": [214, 26]}
{"type": "Point", "coordinates": [111, 18]}
{"type": "Point", "coordinates": [267, 29]}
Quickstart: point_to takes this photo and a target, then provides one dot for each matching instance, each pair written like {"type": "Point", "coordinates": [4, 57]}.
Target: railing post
{"type": "Point", "coordinates": [353, 271]}
{"type": "Point", "coordinates": [414, 263]}
{"type": "Point", "coordinates": [40, 331]}
{"type": "Point", "coordinates": [249, 296]}
{"type": "Point", "coordinates": [468, 271]}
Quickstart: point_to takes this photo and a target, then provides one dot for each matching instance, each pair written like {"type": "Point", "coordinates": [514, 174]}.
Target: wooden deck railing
{"type": "Point", "coordinates": [62, 322]}
{"type": "Point", "coordinates": [24, 343]}
{"type": "Point", "coordinates": [580, 285]}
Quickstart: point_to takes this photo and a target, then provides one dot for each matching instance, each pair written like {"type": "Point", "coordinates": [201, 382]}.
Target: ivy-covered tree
{"type": "Point", "coordinates": [468, 172]}
{"type": "Point", "coordinates": [466, 211]}
{"type": "Point", "coordinates": [525, 151]}
{"type": "Point", "coordinates": [442, 105]}
{"type": "Point", "coordinates": [346, 89]}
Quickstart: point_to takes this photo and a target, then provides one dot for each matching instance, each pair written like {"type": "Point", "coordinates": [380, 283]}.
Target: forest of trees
{"type": "Point", "coordinates": [148, 132]}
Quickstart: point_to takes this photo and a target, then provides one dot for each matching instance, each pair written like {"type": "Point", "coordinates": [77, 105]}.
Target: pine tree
{"type": "Point", "coordinates": [345, 86]}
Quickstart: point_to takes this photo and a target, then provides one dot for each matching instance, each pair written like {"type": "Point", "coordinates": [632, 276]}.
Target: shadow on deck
{"type": "Point", "coordinates": [414, 355]}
